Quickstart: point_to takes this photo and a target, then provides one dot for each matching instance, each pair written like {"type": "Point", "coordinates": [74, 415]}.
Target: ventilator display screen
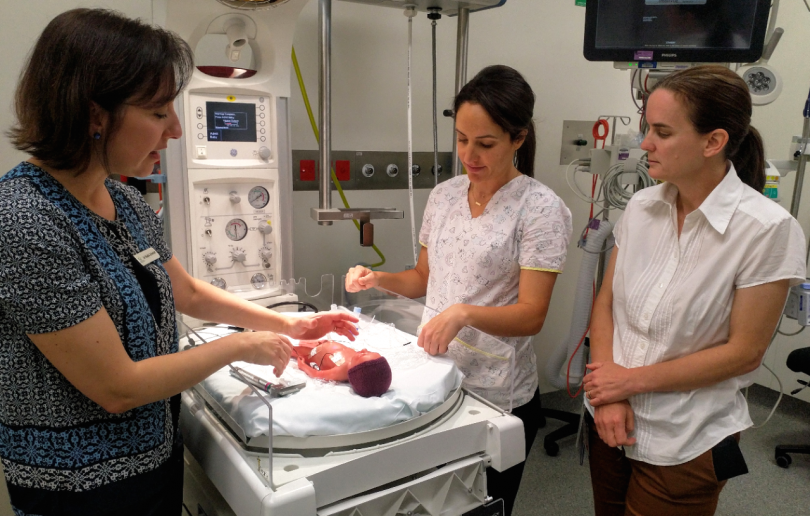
{"type": "Point", "coordinates": [675, 30]}
{"type": "Point", "coordinates": [231, 122]}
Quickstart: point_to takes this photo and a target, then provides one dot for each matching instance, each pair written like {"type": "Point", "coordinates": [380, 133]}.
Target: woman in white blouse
{"type": "Point", "coordinates": [688, 305]}
{"type": "Point", "coordinates": [493, 242]}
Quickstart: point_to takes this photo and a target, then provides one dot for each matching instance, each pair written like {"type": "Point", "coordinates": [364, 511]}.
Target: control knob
{"type": "Point", "coordinates": [238, 255]}
{"type": "Point", "coordinates": [266, 253]}
{"type": "Point", "coordinates": [235, 199]}
{"type": "Point", "coordinates": [266, 228]}
{"type": "Point", "coordinates": [265, 153]}
{"type": "Point", "coordinates": [210, 258]}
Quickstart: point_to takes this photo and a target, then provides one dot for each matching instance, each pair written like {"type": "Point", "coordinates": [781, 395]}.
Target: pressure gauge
{"type": "Point", "coordinates": [258, 281]}
{"type": "Point", "coordinates": [236, 229]}
{"type": "Point", "coordinates": [258, 197]}
{"type": "Point", "coordinates": [219, 283]}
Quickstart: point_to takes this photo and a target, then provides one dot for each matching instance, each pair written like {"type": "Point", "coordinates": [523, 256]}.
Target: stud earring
{"type": "Point", "coordinates": [97, 136]}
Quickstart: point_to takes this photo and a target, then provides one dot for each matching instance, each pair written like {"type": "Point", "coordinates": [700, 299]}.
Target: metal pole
{"type": "Point", "coordinates": [462, 40]}
{"type": "Point", "coordinates": [325, 104]}
{"type": "Point", "coordinates": [435, 112]}
{"type": "Point", "coordinates": [797, 188]}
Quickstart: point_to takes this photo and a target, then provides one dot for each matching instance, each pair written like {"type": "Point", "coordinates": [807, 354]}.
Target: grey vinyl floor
{"type": "Point", "coordinates": [559, 486]}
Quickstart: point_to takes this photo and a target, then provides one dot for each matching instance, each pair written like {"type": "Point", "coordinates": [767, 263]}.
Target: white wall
{"type": "Point", "coordinates": [20, 26]}
{"type": "Point", "coordinates": [540, 38]}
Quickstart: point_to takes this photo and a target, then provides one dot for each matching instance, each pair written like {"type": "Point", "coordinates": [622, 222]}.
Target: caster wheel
{"type": "Point", "coordinates": [552, 449]}
{"type": "Point", "coordinates": [783, 461]}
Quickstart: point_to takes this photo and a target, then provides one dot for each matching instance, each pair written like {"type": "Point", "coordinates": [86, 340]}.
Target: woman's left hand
{"type": "Point", "coordinates": [607, 382]}
{"type": "Point", "coordinates": [318, 325]}
{"type": "Point", "coordinates": [437, 334]}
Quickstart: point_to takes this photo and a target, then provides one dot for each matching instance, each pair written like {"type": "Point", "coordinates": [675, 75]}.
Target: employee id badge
{"type": "Point", "coordinates": [494, 508]}
{"type": "Point", "coordinates": [147, 256]}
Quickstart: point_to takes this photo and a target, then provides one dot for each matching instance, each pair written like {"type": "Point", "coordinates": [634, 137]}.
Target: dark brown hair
{"type": "Point", "coordinates": [85, 56]}
{"type": "Point", "coordinates": [509, 101]}
{"type": "Point", "coordinates": [717, 98]}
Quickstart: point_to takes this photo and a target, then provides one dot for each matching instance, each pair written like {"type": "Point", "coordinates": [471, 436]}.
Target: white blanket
{"type": "Point", "coordinates": [420, 383]}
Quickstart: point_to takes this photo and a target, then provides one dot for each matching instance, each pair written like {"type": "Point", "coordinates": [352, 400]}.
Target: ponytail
{"type": "Point", "coordinates": [749, 160]}
{"type": "Point", "coordinates": [524, 158]}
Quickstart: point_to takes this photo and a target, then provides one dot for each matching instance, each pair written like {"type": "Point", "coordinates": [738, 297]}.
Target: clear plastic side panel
{"type": "Point", "coordinates": [322, 299]}
{"type": "Point", "coordinates": [320, 408]}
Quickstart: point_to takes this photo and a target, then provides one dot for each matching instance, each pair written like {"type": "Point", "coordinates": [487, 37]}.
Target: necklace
{"type": "Point", "coordinates": [483, 200]}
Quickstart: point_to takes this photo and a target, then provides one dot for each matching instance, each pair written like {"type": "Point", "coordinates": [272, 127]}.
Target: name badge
{"type": "Point", "coordinates": [146, 257]}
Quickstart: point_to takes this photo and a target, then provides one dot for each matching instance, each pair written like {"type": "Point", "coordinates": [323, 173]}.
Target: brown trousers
{"type": "Point", "coordinates": [626, 487]}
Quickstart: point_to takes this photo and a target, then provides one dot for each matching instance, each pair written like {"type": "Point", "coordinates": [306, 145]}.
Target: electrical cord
{"type": "Point", "coordinates": [781, 387]}
{"type": "Point", "coordinates": [792, 334]}
{"type": "Point", "coordinates": [632, 88]}
{"type": "Point", "coordinates": [300, 304]}
{"type": "Point", "coordinates": [780, 332]}
{"type": "Point", "coordinates": [778, 400]}
{"type": "Point", "coordinates": [778, 380]}
{"type": "Point", "coordinates": [572, 184]}
{"type": "Point", "coordinates": [615, 193]}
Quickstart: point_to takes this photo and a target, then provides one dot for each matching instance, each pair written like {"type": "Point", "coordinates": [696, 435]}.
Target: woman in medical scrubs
{"type": "Point", "coordinates": [89, 368]}
{"type": "Point", "coordinates": [493, 242]}
{"type": "Point", "coordinates": [689, 302]}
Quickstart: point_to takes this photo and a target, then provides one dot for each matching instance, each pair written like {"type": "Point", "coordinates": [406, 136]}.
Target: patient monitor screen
{"type": "Point", "coordinates": [231, 122]}
{"type": "Point", "coordinates": [678, 24]}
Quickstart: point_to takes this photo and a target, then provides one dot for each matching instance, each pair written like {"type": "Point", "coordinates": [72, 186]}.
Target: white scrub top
{"type": "Point", "coordinates": [672, 297]}
{"type": "Point", "coordinates": [477, 261]}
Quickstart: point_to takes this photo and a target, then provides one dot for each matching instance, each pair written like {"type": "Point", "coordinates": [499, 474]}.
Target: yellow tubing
{"type": "Point", "coordinates": [318, 139]}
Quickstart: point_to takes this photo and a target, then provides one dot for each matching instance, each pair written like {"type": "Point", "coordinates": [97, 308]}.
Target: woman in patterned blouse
{"type": "Point", "coordinates": [493, 242]}
{"type": "Point", "coordinates": [89, 369]}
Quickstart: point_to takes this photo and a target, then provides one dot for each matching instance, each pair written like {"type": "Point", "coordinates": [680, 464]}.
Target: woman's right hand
{"type": "Point", "coordinates": [614, 422]}
{"type": "Point", "coordinates": [266, 348]}
{"type": "Point", "coordinates": [360, 278]}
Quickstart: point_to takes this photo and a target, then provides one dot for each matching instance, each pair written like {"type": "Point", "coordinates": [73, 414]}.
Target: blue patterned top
{"type": "Point", "coordinates": [59, 264]}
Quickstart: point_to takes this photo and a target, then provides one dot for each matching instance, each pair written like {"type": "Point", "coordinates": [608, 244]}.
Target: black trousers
{"type": "Point", "coordinates": [506, 484]}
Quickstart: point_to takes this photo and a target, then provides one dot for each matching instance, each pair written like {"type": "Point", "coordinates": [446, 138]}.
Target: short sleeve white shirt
{"type": "Point", "coordinates": [672, 297]}
{"type": "Point", "coordinates": [478, 260]}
